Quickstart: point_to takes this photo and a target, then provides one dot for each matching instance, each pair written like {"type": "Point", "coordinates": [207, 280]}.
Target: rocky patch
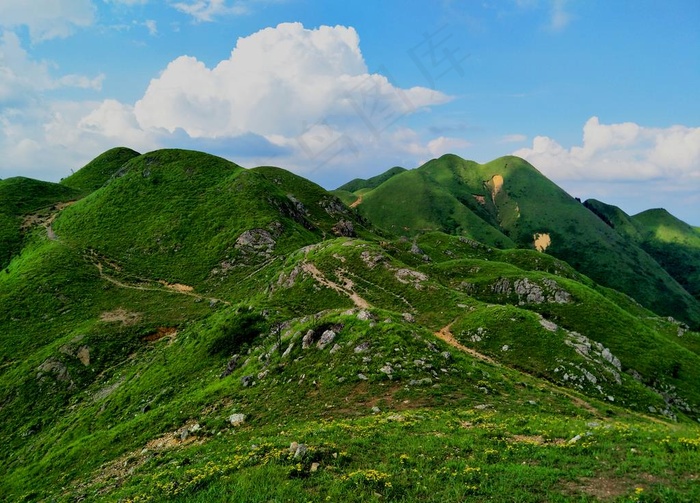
{"type": "Point", "coordinates": [55, 368]}
{"type": "Point", "coordinates": [344, 228]}
{"type": "Point", "coordinates": [256, 242]}
{"type": "Point", "coordinates": [409, 276]}
{"type": "Point", "coordinates": [529, 292]}
{"type": "Point", "coordinates": [120, 316]}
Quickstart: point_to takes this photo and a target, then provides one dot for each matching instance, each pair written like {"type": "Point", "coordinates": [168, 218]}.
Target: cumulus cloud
{"type": "Point", "coordinates": [298, 98]}
{"type": "Point", "coordinates": [625, 151]}
{"type": "Point", "coordinates": [445, 145]}
{"type": "Point", "coordinates": [307, 92]}
{"type": "Point", "coordinates": [278, 81]}
{"type": "Point", "coordinates": [47, 19]}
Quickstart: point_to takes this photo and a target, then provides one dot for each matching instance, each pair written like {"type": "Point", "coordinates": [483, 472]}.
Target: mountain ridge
{"type": "Point", "coordinates": [191, 330]}
{"type": "Point", "coordinates": [515, 199]}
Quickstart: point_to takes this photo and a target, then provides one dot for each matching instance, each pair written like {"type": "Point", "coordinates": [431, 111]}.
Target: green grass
{"type": "Point", "coordinates": [460, 197]}
{"type": "Point", "coordinates": [673, 244]}
{"type": "Point", "coordinates": [106, 366]}
{"type": "Point", "coordinates": [371, 183]}
{"type": "Point", "coordinates": [100, 170]}
{"type": "Point", "coordinates": [19, 198]}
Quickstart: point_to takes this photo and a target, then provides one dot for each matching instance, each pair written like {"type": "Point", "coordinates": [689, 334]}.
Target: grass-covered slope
{"type": "Point", "coordinates": [194, 331]}
{"type": "Point", "coordinates": [24, 202]}
{"type": "Point", "coordinates": [507, 202]}
{"type": "Point", "coordinates": [371, 183]}
{"type": "Point", "coordinates": [674, 244]}
{"type": "Point", "coordinates": [199, 220]}
{"type": "Point", "coordinates": [616, 218]}
{"type": "Point", "coordinates": [21, 196]}
{"type": "Point", "coordinates": [415, 201]}
{"type": "Point", "coordinates": [97, 172]}
{"type": "Point", "coordinates": [347, 341]}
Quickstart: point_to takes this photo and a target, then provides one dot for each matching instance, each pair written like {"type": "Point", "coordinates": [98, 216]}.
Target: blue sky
{"type": "Point", "coordinates": [601, 96]}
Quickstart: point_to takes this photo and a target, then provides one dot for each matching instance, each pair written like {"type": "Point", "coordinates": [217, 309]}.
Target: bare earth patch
{"type": "Point", "coordinates": [120, 316]}
{"type": "Point", "coordinates": [608, 488]}
{"type": "Point", "coordinates": [160, 333]}
{"type": "Point", "coordinates": [357, 202]}
{"type": "Point", "coordinates": [446, 335]}
{"type": "Point", "coordinates": [113, 474]}
{"type": "Point", "coordinates": [542, 241]}
{"type": "Point", "coordinates": [345, 289]}
{"type": "Point", "coordinates": [496, 184]}
{"type": "Point", "coordinates": [178, 287]}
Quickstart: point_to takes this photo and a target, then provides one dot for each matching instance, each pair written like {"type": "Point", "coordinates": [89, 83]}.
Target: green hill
{"type": "Point", "coordinates": [195, 331]}
{"type": "Point", "coordinates": [193, 219]}
{"type": "Point", "coordinates": [97, 172]}
{"type": "Point", "coordinates": [674, 244]}
{"type": "Point", "coordinates": [25, 202]}
{"type": "Point", "coordinates": [21, 196]}
{"type": "Point", "coordinates": [371, 183]}
{"type": "Point", "coordinates": [617, 219]}
{"type": "Point", "coordinates": [507, 202]}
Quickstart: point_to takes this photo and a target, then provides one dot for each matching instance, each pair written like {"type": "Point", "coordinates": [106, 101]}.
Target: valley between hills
{"type": "Point", "coordinates": [175, 327]}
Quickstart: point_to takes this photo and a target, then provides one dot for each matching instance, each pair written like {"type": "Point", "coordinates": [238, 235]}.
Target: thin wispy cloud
{"type": "Point", "coordinates": [47, 19]}
{"type": "Point", "coordinates": [209, 10]}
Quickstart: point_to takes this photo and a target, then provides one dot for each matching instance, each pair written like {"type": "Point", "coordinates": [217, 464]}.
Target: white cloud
{"type": "Point", "coordinates": [21, 77]}
{"type": "Point", "coordinates": [207, 10]}
{"type": "Point", "coordinates": [279, 81]}
{"type": "Point", "coordinates": [625, 151]}
{"type": "Point", "coordinates": [47, 19]}
{"type": "Point", "coordinates": [151, 26]}
{"type": "Point", "coordinates": [81, 81]}
{"type": "Point", "coordinates": [116, 121]}
{"type": "Point", "coordinates": [298, 98]}
{"type": "Point", "coordinates": [445, 145]}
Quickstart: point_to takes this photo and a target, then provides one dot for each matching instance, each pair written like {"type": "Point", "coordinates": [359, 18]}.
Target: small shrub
{"type": "Point", "coordinates": [237, 332]}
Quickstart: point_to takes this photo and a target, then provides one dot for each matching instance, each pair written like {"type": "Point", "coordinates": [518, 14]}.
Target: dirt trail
{"type": "Point", "coordinates": [150, 285]}
{"type": "Point", "coordinates": [344, 289]}
{"type": "Point", "coordinates": [446, 335]}
{"type": "Point", "coordinates": [357, 202]}
{"type": "Point", "coordinates": [45, 219]}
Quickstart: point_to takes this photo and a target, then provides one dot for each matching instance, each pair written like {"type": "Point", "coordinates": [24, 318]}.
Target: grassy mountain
{"type": "Point", "coordinates": [351, 192]}
{"type": "Point", "coordinates": [371, 183]}
{"type": "Point", "coordinates": [98, 171]}
{"type": "Point", "coordinates": [196, 331]}
{"type": "Point", "coordinates": [25, 202]}
{"type": "Point", "coordinates": [674, 244]}
{"type": "Point", "coordinates": [187, 217]}
{"type": "Point", "coordinates": [507, 203]}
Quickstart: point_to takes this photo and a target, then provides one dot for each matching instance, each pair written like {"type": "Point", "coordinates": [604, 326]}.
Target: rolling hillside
{"type": "Point", "coordinates": [674, 244]}
{"type": "Point", "coordinates": [507, 203]}
{"type": "Point", "coordinates": [24, 203]}
{"type": "Point", "coordinates": [190, 330]}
